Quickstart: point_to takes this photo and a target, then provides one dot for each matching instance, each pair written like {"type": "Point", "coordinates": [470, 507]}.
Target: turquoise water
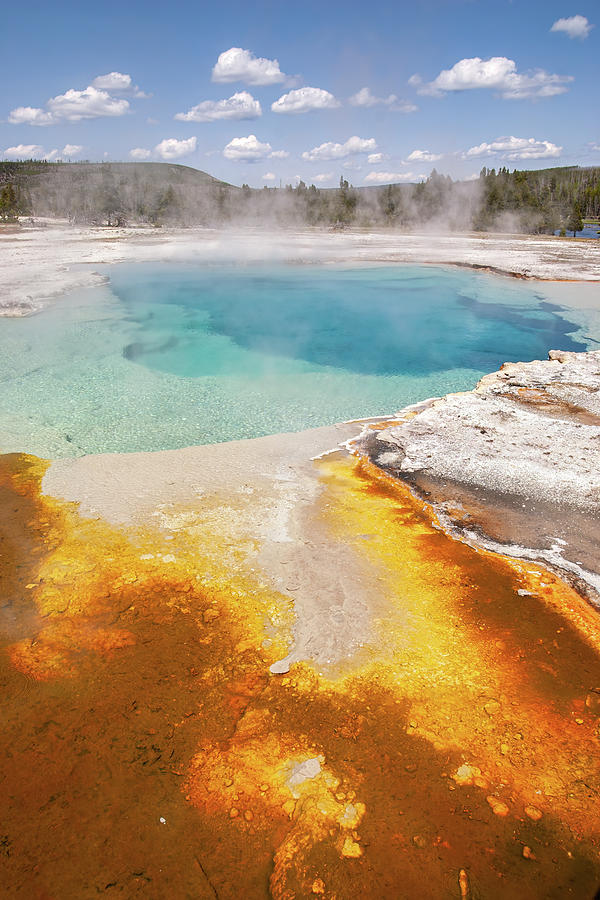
{"type": "Point", "coordinates": [169, 356]}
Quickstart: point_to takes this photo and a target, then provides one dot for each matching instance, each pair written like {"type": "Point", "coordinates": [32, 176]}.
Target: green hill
{"type": "Point", "coordinates": [115, 193]}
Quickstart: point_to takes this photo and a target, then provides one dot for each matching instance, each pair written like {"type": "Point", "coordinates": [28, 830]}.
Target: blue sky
{"type": "Point", "coordinates": [272, 91]}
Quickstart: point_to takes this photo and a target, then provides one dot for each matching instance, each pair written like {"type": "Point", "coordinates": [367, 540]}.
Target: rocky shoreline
{"type": "Point", "coordinates": [512, 465]}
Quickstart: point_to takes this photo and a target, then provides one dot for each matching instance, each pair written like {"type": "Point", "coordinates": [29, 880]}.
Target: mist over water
{"type": "Point", "coordinates": [172, 354]}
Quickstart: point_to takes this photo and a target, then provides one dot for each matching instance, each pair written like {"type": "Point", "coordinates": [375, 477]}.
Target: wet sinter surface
{"type": "Point", "coordinates": [147, 750]}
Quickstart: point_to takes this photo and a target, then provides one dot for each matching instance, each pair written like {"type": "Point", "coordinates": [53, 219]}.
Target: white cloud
{"type": "Point", "coordinates": [574, 26]}
{"type": "Point", "coordinates": [269, 176]}
{"type": "Point", "coordinates": [90, 103]}
{"type": "Point", "coordinates": [117, 81]}
{"type": "Point", "coordinates": [25, 151]}
{"type": "Point", "coordinates": [72, 106]}
{"type": "Point", "coordinates": [389, 177]}
{"type": "Point", "coordinates": [29, 115]}
{"type": "Point", "coordinates": [364, 97]}
{"type": "Point", "coordinates": [375, 158]}
{"type": "Point", "coordinates": [140, 153]}
{"type": "Point", "coordinates": [114, 81]}
{"type": "Point", "coordinates": [250, 149]}
{"type": "Point", "coordinates": [35, 151]}
{"type": "Point", "coordinates": [239, 106]}
{"type": "Point", "coordinates": [423, 156]}
{"type": "Point", "coordinates": [473, 177]}
{"type": "Point", "coordinates": [352, 166]}
{"type": "Point", "coordinates": [93, 102]}
{"type": "Point", "coordinates": [322, 177]}
{"type": "Point", "coordinates": [171, 148]}
{"type": "Point", "coordinates": [331, 150]}
{"type": "Point", "coordinates": [515, 148]}
{"type": "Point", "coordinates": [304, 100]}
{"type": "Point", "coordinates": [498, 74]}
{"type": "Point", "coordinates": [236, 64]}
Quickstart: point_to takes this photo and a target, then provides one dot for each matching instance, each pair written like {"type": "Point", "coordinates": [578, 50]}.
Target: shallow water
{"type": "Point", "coordinates": [169, 356]}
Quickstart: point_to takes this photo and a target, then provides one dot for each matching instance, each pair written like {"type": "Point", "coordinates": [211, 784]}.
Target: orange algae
{"type": "Point", "coordinates": [143, 722]}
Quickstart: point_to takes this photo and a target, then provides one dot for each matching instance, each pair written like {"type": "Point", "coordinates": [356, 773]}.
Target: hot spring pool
{"type": "Point", "coordinates": [170, 355]}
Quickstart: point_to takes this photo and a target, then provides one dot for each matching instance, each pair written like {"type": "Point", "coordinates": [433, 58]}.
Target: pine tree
{"type": "Point", "coordinates": [9, 205]}
{"type": "Point", "coordinates": [575, 222]}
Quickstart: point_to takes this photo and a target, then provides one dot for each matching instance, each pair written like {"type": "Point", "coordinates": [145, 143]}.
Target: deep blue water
{"type": "Point", "coordinates": [173, 355]}
{"type": "Point", "coordinates": [375, 321]}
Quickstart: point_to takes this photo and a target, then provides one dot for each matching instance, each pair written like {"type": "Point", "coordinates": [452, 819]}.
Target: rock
{"type": "Point", "coordinates": [528, 853]}
{"type": "Point", "coordinates": [419, 841]}
{"type": "Point", "coordinates": [310, 768]}
{"type": "Point", "coordinates": [463, 884]}
{"type": "Point", "coordinates": [498, 807]}
{"type": "Point", "coordinates": [466, 774]}
{"type": "Point", "coordinates": [492, 707]}
{"type": "Point", "coordinates": [592, 701]}
{"type": "Point", "coordinates": [534, 813]}
{"type": "Point", "coordinates": [351, 849]}
{"type": "Point", "coordinates": [532, 430]}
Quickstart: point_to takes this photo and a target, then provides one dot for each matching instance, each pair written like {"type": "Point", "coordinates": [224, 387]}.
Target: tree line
{"type": "Point", "coordinates": [112, 194]}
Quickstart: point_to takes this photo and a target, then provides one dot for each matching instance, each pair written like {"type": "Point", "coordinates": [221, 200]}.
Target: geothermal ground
{"type": "Point", "coordinates": [39, 262]}
{"type": "Point", "coordinates": [338, 663]}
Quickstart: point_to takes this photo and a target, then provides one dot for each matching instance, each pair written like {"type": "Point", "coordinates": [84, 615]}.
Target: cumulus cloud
{"type": "Point", "coordinates": [304, 100]}
{"type": "Point", "coordinates": [118, 81]}
{"type": "Point", "coordinates": [25, 151]}
{"type": "Point", "coordinates": [331, 150]}
{"type": "Point", "coordinates": [374, 158]}
{"type": "Point", "coordinates": [497, 74]}
{"type": "Point", "coordinates": [72, 106]}
{"type": "Point", "coordinates": [389, 177]}
{"type": "Point", "coordinates": [250, 149]}
{"type": "Point", "coordinates": [365, 98]}
{"type": "Point", "coordinates": [515, 148]}
{"type": "Point", "coordinates": [423, 156]}
{"type": "Point", "coordinates": [236, 64]}
{"type": "Point", "coordinates": [90, 103]}
{"type": "Point", "coordinates": [29, 115]}
{"type": "Point", "coordinates": [171, 148]}
{"type": "Point", "coordinates": [322, 177]}
{"type": "Point", "coordinates": [35, 151]}
{"type": "Point", "coordinates": [574, 26]}
{"type": "Point", "coordinates": [239, 106]}
{"type": "Point", "coordinates": [269, 176]}
{"type": "Point", "coordinates": [114, 81]}
{"type": "Point", "coordinates": [140, 153]}
{"type": "Point", "coordinates": [71, 150]}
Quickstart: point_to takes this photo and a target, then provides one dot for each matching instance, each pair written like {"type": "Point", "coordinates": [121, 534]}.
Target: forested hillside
{"type": "Point", "coordinates": [116, 193]}
{"type": "Point", "coordinates": [540, 201]}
